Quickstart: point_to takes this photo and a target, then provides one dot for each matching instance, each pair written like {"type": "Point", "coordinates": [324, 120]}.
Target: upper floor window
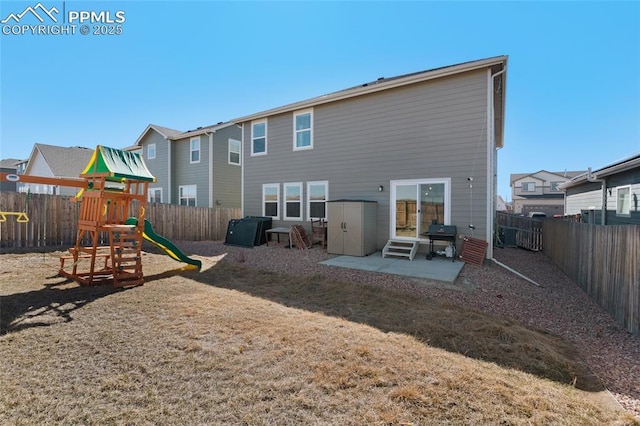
{"type": "Point", "coordinates": [271, 200]}
{"type": "Point", "coordinates": [303, 130]}
{"type": "Point", "coordinates": [259, 138]}
{"type": "Point", "coordinates": [528, 186]}
{"type": "Point", "coordinates": [293, 201]}
{"type": "Point", "coordinates": [624, 201]}
{"type": "Point", "coordinates": [195, 150]}
{"type": "Point", "coordinates": [187, 195]}
{"type": "Point", "coordinates": [554, 186]}
{"type": "Point", "coordinates": [234, 152]}
{"type": "Point", "coordinates": [155, 195]}
{"type": "Point", "coordinates": [151, 151]}
{"type": "Point", "coordinates": [317, 196]}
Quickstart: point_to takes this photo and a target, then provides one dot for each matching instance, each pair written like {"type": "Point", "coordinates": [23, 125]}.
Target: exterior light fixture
{"type": "Point", "coordinates": [380, 188]}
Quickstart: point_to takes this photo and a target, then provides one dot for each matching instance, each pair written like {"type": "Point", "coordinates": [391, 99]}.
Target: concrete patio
{"type": "Point", "coordinates": [439, 268]}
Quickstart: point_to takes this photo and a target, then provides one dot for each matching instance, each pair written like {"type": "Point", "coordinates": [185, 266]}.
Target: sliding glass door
{"type": "Point", "coordinates": [416, 204]}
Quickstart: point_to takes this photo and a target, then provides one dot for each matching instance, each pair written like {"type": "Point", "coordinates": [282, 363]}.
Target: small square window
{"type": "Point", "coordinates": [155, 195]}
{"type": "Point", "coordinates": [234, 152]}
{"type": "Point", "coordinates": [195, 150]}
{"type": "Point", "coordinates": [528, 186]}
{"type": "Point", "coordinates": [623, 207]}
{"type": "Point", "coordinates": [151, 151]}
{"type": "Point", "coordinates": [187, 195]}
{"type": "Point", "coordinates": [303, 130]}
{"type": "Point", "coordinates": [259, 138]}
{"type": "Point", "coordinates": [271, 200]}
{"type": "Point", "coordinates": [317, 196]}
{"type": "Point", "coordinates": [293, 201]}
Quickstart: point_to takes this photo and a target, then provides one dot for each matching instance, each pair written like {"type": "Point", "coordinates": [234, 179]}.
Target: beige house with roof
{"type": "Point", "coordinates": [55, 161]}
{"type": "Point", "coordinates": [539, 192]}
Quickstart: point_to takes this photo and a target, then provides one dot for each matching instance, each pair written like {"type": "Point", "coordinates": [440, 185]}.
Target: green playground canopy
{"type": "Point", "coordinates": [117, 165]}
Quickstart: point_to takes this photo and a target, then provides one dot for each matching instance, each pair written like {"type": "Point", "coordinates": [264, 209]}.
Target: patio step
{"type": "Point", "coordinates": [400, 248]}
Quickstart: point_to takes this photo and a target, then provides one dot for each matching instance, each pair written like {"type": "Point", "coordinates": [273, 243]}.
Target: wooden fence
{"type": "Point", "coordinates": [53, 221]}
{"type": "Point", "coordinates": [604, 261]}
{"type": "Point", "coordinates": [520, 231]}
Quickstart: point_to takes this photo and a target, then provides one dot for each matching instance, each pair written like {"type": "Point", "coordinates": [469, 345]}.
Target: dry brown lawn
{"type": "Point", "coordinates": [231, 345]}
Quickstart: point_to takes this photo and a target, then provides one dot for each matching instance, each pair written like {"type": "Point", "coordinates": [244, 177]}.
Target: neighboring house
{"type": "Point", "coordinates": [613, 189]}
{"type": "Point", "coordinates": [200, 167]}
{"type": "Point", "coordinates": [421, 145]}
{"type": "Point", "coordinates": [55, 161]}
{"type": "Point", "coordinates": [501, 205]}
{"type": "Point", "coordinates": [9, 165]}
{"type": "Point", "coordinates": [539, 192]}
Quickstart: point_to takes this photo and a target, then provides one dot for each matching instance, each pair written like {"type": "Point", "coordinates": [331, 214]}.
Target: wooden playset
{"type": "Point", "coordinates": [111, 222]}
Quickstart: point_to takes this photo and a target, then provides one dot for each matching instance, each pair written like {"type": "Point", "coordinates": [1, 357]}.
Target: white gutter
{"type": "Point", "coordinates": [169, 183]}
{"type": "Point", "coordinates": [242, 171]}
{"type": "Point", "coordinates": [210, 183]}
{"type": "Point", "coordinates": [492, 192]}
{"type": "Point", "coordinates": [202, 131]}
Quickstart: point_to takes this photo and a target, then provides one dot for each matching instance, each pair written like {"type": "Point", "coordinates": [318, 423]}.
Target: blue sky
{"type": "Point", "coordinates": [573, 88]}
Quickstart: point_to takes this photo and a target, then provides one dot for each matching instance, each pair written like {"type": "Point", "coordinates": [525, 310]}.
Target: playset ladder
{"type": "Point", "coordinates": [126, 257]}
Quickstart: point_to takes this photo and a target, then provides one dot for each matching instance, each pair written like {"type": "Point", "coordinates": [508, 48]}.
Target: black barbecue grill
{"type": "Point", "coordinates": [441, 233]}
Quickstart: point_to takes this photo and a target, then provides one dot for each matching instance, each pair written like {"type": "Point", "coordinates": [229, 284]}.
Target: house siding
{"type": "Point", "coordinates": [629, 178]}
{"type": "Point", "coordinates": [187, 173]}
{"type": "Point", "coordinates": [158, 166]}
{"type": "Point", "coordinates": [582, 197]}
{"type": "Point", "coordinates": [432, 129]}
{"type": "Point", "coordinates": [226, 177]}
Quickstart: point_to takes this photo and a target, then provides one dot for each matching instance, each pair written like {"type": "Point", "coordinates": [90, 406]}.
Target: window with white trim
{"type": "Point", "coordinates": [293, 201]}
{"type": "Point", "coordinates": [623, 207]}
{"type": "Point", "coordinates": [155, 195]}
{"type": "Point", "coordinates": [303, 130]}
{"type": "Point", "coordinates": [195, 150]}
{"type": "Point", "coordinates": [234, 152]}
{"type": "Point", "coordinates": [528, 186]}
{"type": "Point", "coordinates": [317, 197]}
{"type": "Point", "coordinates": [151, 151]}
{"type": "Point", "coordinates": [259, 138]}
{"type": "Point", "coordinates": [187, 195]}
{"type": "Point", "coordinates": [271, 200]}
{"type": "Point", "coordinates": [554, 186]}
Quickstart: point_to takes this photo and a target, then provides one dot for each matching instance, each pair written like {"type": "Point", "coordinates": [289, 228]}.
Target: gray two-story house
{"type": "Point", "coordinates": [539, 192]}
{"type": "Point", "coordinates": [608, 195]}
{"type": "Point", "coordinates": [200, 167]}
{"type": "Point", "coordinates": [422, 146]}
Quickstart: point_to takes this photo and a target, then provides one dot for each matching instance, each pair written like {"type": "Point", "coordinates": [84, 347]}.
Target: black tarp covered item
{"type": "Point", "coordinates": [247, 232]}
{"type": "Point", "coordinates": [264, 223]}
{"type": "Point", "coordinates": [241, 233]}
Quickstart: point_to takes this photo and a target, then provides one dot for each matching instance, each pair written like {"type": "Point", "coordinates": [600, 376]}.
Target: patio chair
{"type": "Point", "coordinates": [319, 231]}
{"type": "Point", "coordinates": [300, 237]}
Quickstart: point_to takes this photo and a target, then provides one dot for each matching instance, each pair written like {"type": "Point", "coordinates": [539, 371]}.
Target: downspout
{"type": "Point", "coordinates": [603, 190]}
{"type": "Point", "coordinates": [491, 162]}
{"type": "Point", "coordinates": [210, 134]}
{"type": "Point", "coordinates": [170, 174]}
{"type": "Point", "coordinates": [242, 171]}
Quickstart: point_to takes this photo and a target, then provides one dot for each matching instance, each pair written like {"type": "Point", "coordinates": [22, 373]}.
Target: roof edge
{"type": "Point", "coordinates": [202, 131]}
{"type": "Point", "coordinates": [363, 90]}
